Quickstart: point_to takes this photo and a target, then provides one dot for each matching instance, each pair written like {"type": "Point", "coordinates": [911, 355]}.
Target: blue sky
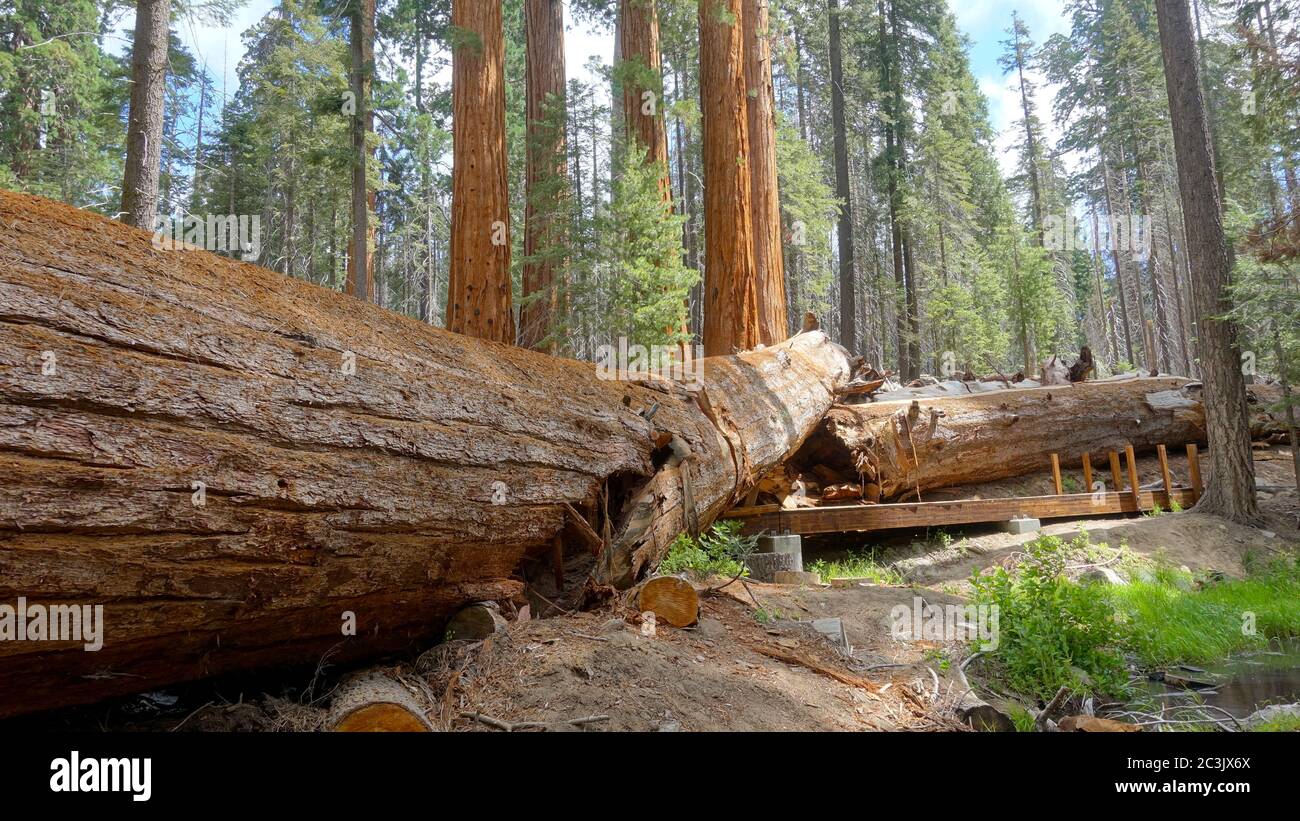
{"type": "Point", "coordinates": [983, 21]}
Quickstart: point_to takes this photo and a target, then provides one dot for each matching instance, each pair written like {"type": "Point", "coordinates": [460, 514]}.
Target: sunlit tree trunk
{"type": "Point", "coordinates": [730, 286]}
{"type": "Point", "coordinates": [479, 299]}
{"type": "Point", "coordinates": [1231, 491]}
{"type": "Point", "coordinates": [769, 263]}
{"type": "Point", "coordinates": [144, 130]}
{"type": "Point", "coordinates": [642, 85]}
{"type": "Point", "coordinates": [547, 161]}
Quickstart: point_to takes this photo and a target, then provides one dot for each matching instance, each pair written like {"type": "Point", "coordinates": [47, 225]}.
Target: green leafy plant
{"type": "Point", "coordinates": [720, 551]}
{"type": "Point", "coordinates": [1052, 632]}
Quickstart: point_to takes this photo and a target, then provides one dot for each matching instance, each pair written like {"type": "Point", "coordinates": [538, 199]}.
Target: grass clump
{"type": "Point", "coordinates": [1054, 632]}
{"type": "Point", "coordinates": [1021, 718]}
{"type": "Point", "coordinates": [719, 551]}
{"type": "Point", "coordinates": [1168, 619]}
{"type": "Point", "coordinates": [1281, 724]}
{"type": "Point", "coordinates": [857, 565]}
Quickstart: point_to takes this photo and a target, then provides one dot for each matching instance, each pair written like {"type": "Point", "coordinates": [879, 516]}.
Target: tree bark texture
{"type": "Point", "coordinates": [1231, 493]}
{"type": "Point", "coordinates": [548, 170]}
{"type": "Point", "coordinates": [236, 464]}
{"type": "Point", "coordinates": [769, 260]}
{"type": "Point", "coordinates": [479, 298]}
{"type": "Point", "coordinates": [144, 132]}
{"type": "Point", "coordinates": [932, 443]}
{"type": "Point", "coordinates": [731, 321]}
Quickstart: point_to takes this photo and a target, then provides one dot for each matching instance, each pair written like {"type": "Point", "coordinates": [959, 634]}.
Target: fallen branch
{"type": "Point", "coordinates": [815, 666]}
{"type": "Point", "coordinates": [515, 726]}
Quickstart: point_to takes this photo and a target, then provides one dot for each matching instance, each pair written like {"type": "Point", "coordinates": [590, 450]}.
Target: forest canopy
{"type": "Point", "coordinates": [883, 197]}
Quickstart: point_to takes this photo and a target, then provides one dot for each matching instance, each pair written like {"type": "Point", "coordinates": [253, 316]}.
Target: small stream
{"type": "Point", "coordinates": [1240, 685]}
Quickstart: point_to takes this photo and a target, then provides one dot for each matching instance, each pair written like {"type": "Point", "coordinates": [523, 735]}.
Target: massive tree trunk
{"type": "Point", "coordinates": [769, 262]}
{"type": "Point", "coordinates": [984, 437]}
{"type": "Point", "coordinates": [548, 170]}
{"type": "Point", "coordinates": [144, 130]}
{"type": "Point", "coordinates": [641, 76]}
{"type": "Point", "coordinates": [730, 287]}
{"type": "Point", "coordinates": [844, 229]}
{"type": "Point", "coordinates": [361, 246]}
{"type": "Point", "coordinates": [238, 465]}
{"type": "Point", "coordinates": [479, 300]}
{"type": "Point", "coordinates": [1232, 491]}
{"type": "Point", "coordinates": [641, 81]}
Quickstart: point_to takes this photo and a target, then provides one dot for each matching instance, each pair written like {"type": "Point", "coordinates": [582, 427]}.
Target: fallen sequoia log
{"type": "Point", "coordinates": [893, 449]}
{"type": "Point", "coordinates": [247, 470]}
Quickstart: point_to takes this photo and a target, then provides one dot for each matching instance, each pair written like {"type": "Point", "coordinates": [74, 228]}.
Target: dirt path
{"type": "Point", "coordinates": [720, 675]}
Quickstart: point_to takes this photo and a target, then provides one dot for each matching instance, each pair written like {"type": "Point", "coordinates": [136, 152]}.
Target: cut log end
{"type": "Point", "coordinates": [475, 623]}
{"type": "Point", "coordinates": [373, 702]}
{"type": "Point", "coordinates": [673, 600]}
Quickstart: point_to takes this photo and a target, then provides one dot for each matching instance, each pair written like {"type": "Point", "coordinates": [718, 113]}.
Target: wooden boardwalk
{"type": "Point", "coordinates": [868, 517]}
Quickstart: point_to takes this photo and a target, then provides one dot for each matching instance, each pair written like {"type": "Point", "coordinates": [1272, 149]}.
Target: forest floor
{"type": "Point", "coordinates": [753, 662]}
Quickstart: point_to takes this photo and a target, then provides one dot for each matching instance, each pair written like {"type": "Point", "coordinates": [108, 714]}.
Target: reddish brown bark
{"type": "Point", "coordinates": [547, 162]}
{"type": "Point", "coordinates": [966, 439]}
{"type": "Point", "coordinates": [769, 261]}
{"type": "Point", "coordinates": [731, 320]}
{"type": "Point", "coordinates": [127, 375]}
{"type": "Point", "coordinates": [479, 298]}
{"type": "Point", "coordinates": [643, 113]}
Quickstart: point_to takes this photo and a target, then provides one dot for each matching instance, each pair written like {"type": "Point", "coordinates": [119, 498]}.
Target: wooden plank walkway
{"type": "Point", "coordinates": [856, 518]}
{"type": "Point", "coordinates": [867, 517]}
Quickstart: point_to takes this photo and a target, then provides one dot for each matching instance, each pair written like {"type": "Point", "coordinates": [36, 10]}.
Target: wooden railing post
{"type": "Point", "coordinates": [1194, 467]}
{"type": "Point", "coordinates": [1056, 474]}
{"type": "Point", "coordinates": [1087, 472]}
{"type": "Point", "coordinates": [1164, 475]}
{"type": "Point", "coordinates": [1132, 475]}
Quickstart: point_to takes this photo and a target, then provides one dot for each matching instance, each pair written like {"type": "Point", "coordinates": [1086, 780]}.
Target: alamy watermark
{"type": "Point", "coordinates": [922, 621]}
{"type": "Point", "coordinates": [77, 774]}
{"type": "Point", "coordinates": [53, 622]}
{"type": "Point", "coordinates": [1132, 234]}
{"type": "Point", "coordinates": [624, 361]}
{"type": "Point", "coordinates": [217, 232]}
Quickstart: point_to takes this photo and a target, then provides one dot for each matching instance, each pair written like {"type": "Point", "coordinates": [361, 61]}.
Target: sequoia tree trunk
{"type": "Point", "coordinates": [548, 171]}
{"type": "Point", "coordinates": [769, 261]}
{"type": "Point", "coordinates": [247, 470]}
{"type": "Point", "coordinates": [642, 86]}
{"type": "Point", "coordinates": [731, 320]}
{"type": "Point", "coordinates": [478, 291]}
